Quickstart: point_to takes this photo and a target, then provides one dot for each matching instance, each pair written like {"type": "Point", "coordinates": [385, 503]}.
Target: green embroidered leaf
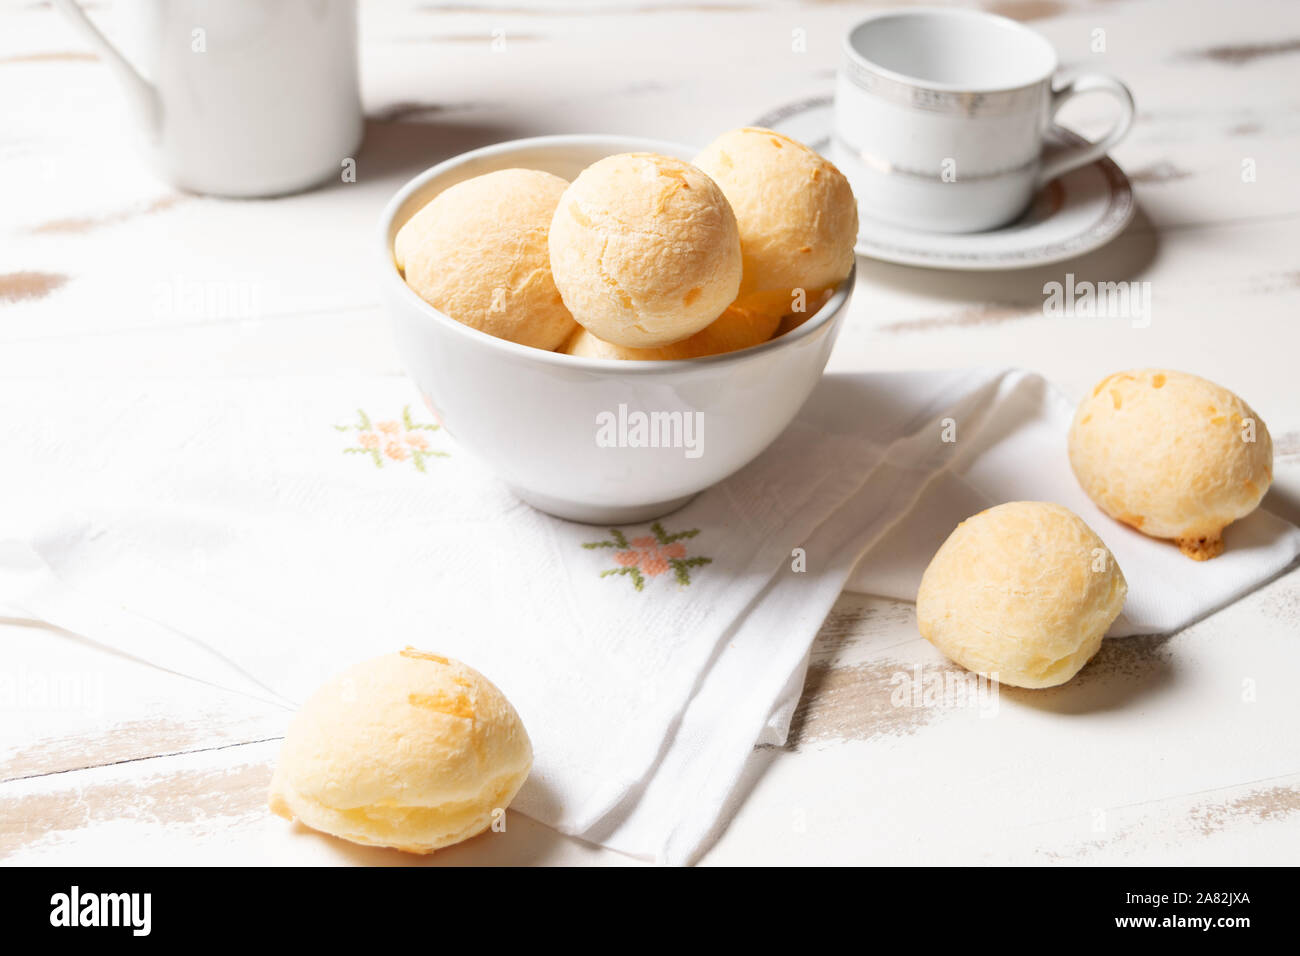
{"type": "Point", "coordinates": [418, 457]}
{"type": "Point", "coordinates": [637, 580]}
{"type": "Point", "coordinates": [410, 424]}
{"type": "Point", "coordinates": [663, 537]}
{"type": "Point", "coordinates": [681, 568]}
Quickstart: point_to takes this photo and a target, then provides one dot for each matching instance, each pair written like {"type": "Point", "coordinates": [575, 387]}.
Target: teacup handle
{"type": "Point", "coordinates": [1072, 157]}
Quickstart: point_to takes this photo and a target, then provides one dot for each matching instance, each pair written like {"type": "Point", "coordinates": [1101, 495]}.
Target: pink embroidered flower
{"type": "Point", "coordinates": [404, 440]}
{"type": "Point", "coordinates": [650, 556]}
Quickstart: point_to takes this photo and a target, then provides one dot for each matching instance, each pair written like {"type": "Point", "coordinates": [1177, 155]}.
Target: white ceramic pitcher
{"type": "Point", "coordinates": [237, 97]}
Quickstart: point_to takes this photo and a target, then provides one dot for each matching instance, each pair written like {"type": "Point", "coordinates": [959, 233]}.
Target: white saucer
{"type": "Point", "coordinates": [1077, 213]}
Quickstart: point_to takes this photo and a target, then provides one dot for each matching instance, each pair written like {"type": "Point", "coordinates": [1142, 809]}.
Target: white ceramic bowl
{"type": "Point", "coordinates": [541, 420]}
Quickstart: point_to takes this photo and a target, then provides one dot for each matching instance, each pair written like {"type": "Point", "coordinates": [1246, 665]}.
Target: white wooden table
{"type": "Point", "coordinates": [1171, 750]}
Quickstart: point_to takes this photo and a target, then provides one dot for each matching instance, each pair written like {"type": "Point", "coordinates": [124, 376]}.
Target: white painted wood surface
{"type": "Point", "coordinates": [1165, 750]}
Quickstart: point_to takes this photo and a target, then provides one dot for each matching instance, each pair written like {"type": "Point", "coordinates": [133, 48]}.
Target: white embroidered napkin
{"type": "Point", "coordinates": [262, 535]}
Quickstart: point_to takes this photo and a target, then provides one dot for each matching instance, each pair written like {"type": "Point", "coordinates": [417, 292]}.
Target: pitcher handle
{"type": "Point", "coordinates": [138, 90]}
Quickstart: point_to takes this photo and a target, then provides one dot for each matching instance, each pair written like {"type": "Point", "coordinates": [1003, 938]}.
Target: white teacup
{"type": "Point", "coordinates": [238, 97]}
{"type": "Point", "coordinates": [940, 116]}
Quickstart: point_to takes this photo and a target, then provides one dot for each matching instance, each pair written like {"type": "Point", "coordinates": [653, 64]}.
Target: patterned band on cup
{"type": "Point", "coordinates": [997, 103]}
{"type": "Point", "coordinates": [885, 167]}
